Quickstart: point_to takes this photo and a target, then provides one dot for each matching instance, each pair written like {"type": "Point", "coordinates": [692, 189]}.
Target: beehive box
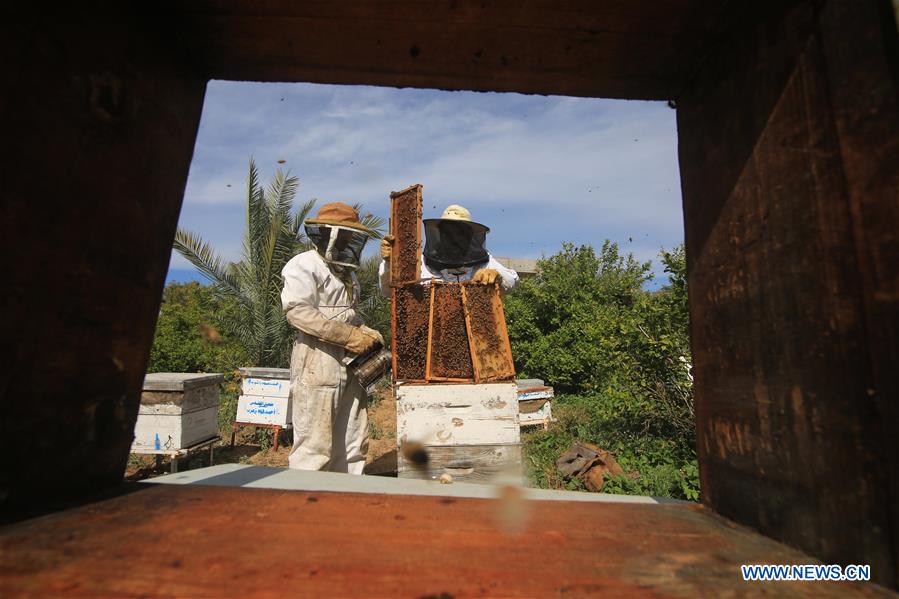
{"type": "Point", "coordinates": [177, 410]}
{"type": "Point", "coordinates": [469, 431]}
{"type": "Point", "coordinates": [535, 404]}
{"type": "Point", "coordinates": [265, 397]}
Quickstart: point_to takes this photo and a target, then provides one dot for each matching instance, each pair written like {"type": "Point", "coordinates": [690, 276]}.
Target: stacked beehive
{"type": "Point", "coordinates": [177, 410]}
{"type": "Point", "coordinates": [452, 364]}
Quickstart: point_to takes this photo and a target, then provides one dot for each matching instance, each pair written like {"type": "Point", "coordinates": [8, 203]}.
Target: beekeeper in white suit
{"type": "Point", "coordinates": [455, 250]}
{"type": "Point", "coordinates": [330, 424]}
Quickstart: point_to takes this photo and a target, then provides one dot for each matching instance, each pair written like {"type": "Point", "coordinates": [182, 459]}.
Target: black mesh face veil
{"type": "Point", "coordinates": [454, 243]}
{"type": "Point", "coordinates": [338, 245]}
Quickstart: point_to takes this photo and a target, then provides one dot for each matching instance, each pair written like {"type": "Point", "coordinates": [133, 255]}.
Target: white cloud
{"type": "Point", "coordinates": [539, 170]}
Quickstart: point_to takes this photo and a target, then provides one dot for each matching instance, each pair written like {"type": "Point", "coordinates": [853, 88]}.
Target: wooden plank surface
{"type": "Point", "coordinates": [84, 327]}
{"type": "Point", "coordinates": [177, 402]}
{"type": "Point", "coordinates": [465, 463]}
{"type": "Point", "coordinates": [607, 48]}
{"type": "Point", "coordinates": [792, 430]}
{"type": "Point", "coordinates": [199, 541]}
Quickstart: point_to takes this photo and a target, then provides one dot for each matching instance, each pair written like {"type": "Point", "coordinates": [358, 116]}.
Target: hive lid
{"type": "Point", "coordinates": [525, 383]}
{"type": "Point", "coordinates": [264, 372]}
{"type": "Point", "coordinates": [180, 381]}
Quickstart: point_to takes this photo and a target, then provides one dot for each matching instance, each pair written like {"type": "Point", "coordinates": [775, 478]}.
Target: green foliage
{"type": "Point", "coordinates": [374, 306]}
{"type": "Point", "coordinates": [189, 338]}
{"type": "Point", "coordinates": [273, 235]}
{"type": "Point", "coordinates": [620, 357]}
{"type": "Point", "coordinates": [571, 323]}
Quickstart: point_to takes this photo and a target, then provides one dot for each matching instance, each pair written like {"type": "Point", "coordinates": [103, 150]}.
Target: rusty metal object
{"type": "Point", "coordinates": [405, 227]}
{"type": "Point", "coordinates": [191, 541]}
{"type": "Point", "coordinates": [370, 367]}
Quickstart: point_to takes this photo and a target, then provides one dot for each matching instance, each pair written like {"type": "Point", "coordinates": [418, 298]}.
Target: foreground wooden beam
{"type": "Point", "coordinates": [789, 153]}
{"type": "Point", "coordinates": [230, 542]}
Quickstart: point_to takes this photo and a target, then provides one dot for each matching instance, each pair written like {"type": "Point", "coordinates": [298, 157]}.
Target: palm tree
{"type": "Point", "coordinates": [274, 234]}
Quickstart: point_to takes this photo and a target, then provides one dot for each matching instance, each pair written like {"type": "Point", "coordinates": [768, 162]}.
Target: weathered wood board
{"type": "Point", "coordinates": [405, 227]}
{"type": "Point", "coordinates": [465, 463]}
{"type": "Point", "coordinates": [179, 402]}
{"type": "Point", "coordinates": [180, 540]}
{"type": "Point", "coordinates": [455, 414]}
{"type": "Point", "coordinates": [790, 212]}
{"type": "Point", "coordinates": [179, 381]}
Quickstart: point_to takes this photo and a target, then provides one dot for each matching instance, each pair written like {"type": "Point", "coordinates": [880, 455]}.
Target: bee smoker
{"type": "Point", "coordinates": [371, 365]}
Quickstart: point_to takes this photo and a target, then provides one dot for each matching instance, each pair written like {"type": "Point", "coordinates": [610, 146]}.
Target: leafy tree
{"type": "Point", "coordinates": [189, 338]}
{"type": "Point", "coordinates": [567, 323]}
{"type": "Point", "coordinates": [619, 358]}
{"type": "Point", "coordinates": [188, 332]}
{"type": "Point", "coordinates": [273, 235]}
{"type": "Point", "coordinates": [659, 347]}
{"type": "Point", "coordinates": [374, 306]}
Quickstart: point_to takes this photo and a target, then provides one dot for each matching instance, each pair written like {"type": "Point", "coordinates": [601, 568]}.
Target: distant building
{"type": "Point", "coordinates": [525, 267]}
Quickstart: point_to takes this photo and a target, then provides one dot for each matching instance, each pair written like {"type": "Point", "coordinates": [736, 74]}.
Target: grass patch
{"type": "Point", "coordinates": [657, 463]}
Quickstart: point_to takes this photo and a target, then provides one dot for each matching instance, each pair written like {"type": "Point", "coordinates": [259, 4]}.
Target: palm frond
{"type": "Point", "coordinates": [281, 192]}
{"type": "Point", "coordinates": [296, 224]}
{"type": "Point", "coordinates": [374, 223]}
{"type": "Point", "coordinates": [257, 216]}
{"type": "Point", "coordinates": [201, 255]}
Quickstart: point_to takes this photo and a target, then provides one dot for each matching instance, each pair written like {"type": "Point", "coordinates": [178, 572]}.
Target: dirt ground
{"type": "Point", "coordinates": [381, 459]}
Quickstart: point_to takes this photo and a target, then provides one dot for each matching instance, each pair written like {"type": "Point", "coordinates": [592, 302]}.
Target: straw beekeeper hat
{"type": "Point", "coordinates": [338, 214]}
{"type": "Point", "coordinates": [456, 212]}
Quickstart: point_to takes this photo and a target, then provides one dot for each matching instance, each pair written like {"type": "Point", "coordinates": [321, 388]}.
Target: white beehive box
{"type": "Point", "coordinates": [535, 404]}
{"type": "Point", "coordinates": [469, 431]}
{"type": "Point", "coordinates": [177, 410]}
{"type": "Point", "coordinates": [265, 397]}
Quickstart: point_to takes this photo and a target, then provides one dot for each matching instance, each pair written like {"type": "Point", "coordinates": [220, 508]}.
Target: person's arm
{"type": "Point", "coordinates": [384, 277]}
{"type": "Point", "coordinates": [508, 278]}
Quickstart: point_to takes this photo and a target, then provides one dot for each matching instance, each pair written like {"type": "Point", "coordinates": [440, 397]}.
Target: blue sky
{"type": "Point", "coordinates": [538, 170]}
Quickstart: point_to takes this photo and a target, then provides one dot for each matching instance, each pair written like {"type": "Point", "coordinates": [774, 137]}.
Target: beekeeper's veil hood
{"type": "Point", "coordinates": [454, 240]}
{"type": "Point", "coordinates": [338, 235]}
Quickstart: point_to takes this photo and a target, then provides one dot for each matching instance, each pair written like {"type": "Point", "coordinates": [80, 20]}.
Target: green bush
{"type": "Point", "coordinates": [189, 338]}
{"type": "Point", "coordinates": [188, 332]}
{"type": "Point", "coordinates": [620, 357]}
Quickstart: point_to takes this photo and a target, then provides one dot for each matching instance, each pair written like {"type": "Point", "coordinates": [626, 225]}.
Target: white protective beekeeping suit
{"type": "Point", "coordinates": [330, 424]}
